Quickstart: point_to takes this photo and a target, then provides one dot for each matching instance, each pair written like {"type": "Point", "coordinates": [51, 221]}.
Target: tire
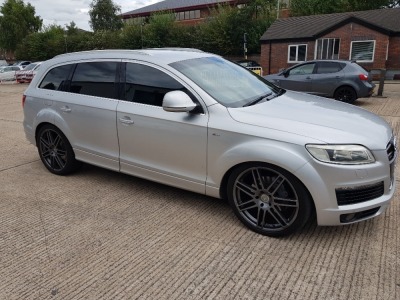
{"type": "Point", "coordinates": [55, 151]}
{"type": "Point", "coordinates": [268, 199]}
{"type": "Point", "coordinates": [345, 94]}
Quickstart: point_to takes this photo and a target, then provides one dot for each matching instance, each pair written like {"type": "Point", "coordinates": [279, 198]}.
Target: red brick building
{"type": "Point", "coordinates": [372, 38]}
{"type": "Point", "coordinates": [186, 11]}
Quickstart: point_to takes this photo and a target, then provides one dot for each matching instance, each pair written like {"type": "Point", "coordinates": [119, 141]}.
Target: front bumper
{"type": "Point", "coordinates": [324, 180]}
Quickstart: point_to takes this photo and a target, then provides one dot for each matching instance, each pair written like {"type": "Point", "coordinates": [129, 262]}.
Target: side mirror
{"type": "Point", "coordinates": [178, 101]}
{"type": "Point", "coordinates": [285, 73]}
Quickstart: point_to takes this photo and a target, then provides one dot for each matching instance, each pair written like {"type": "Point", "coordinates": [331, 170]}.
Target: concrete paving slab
{"type": "Point", "coordinates": [98, 234]}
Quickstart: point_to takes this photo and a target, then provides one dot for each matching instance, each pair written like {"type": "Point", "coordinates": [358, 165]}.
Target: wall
{"type": "Point", "coordinates": [347, 33]}
{"type": "Point", "coordinates": [355, 32]}
{"type": "Point", "coordinates": [279, 53]}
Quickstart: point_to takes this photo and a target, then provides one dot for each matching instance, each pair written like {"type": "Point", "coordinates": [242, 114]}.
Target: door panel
{"type": "Point", "coordinates": [163, 146]}
{"type": "Point", "coordinates": [328, 77]}
{"type": "Point", "coordinates": [299, 78]}
{"type": "Point", "coordinates": [90, 112]}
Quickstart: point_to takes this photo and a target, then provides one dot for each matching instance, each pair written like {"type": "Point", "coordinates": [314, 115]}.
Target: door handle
{"type": "Point", "coordinates": [308, 77]}
{"type": "Point", "coordinates": [126, 120]}
{"type": "Point", "coordinates": [65, 109]}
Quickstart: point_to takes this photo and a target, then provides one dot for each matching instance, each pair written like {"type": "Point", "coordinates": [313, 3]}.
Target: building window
{"type": "Point", "coordinates": [362, 51]}
{"type": "Point", "coordinates": [187, 15]}
{"type": "Point", "coordinates": [297, 53]}
{"type": "Point", "coordinates": [327, 49]}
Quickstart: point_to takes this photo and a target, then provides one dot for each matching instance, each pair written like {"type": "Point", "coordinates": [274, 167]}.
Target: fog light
{"type": "Point", "coordinates": [347, 218]}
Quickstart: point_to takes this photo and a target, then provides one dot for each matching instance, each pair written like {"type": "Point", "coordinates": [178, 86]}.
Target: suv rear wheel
{"type": "Point", "coordinates": [55, 151]}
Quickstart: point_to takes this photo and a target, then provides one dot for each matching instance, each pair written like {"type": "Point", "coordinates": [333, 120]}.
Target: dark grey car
{"type": "Point", "coordinates": [343, 80]}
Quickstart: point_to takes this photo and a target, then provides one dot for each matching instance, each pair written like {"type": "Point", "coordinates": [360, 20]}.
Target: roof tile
{"type": "Point", "coordinates": [310, 26]}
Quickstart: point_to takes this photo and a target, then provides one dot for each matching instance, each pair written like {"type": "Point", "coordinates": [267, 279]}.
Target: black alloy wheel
{"type": "Point", "coordinates": [268, 199]}
{"type": "Point", "coordinates": [346, 94]}
{"type": "Point", "coordinates": [55, 151]}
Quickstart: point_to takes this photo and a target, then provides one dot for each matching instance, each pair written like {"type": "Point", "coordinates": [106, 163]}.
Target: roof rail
{"type": "Point", "coordinates": [105, 50]}
{"type": "Point", "coordinates": [177, 49]}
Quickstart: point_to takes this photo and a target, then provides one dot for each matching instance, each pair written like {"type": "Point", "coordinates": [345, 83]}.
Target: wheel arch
{"type": "Point", "coordinates": [346, 85]}
{"type": "Point", "coordinates": [224, 182]}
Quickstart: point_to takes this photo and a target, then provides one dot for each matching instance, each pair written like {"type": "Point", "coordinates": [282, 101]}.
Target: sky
{"type": "Point", "coordinates": [62, 12]}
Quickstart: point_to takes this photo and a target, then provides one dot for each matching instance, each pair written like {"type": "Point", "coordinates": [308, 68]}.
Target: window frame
{"type": "Point", "coordinates": [363, 41]}
{"type": "Point", "coordinates": [316, 54]}
{"type": "Point", "coordinates": [117, 79]}
{"type": "Point", "coordinates": [201, 108]}
{"type": "Point", "coordinates": [297, 53]}
{"type": "Point", "coordinates": [64, 86]}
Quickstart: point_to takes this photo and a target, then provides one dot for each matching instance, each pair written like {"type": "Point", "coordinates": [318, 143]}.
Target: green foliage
{"type": "Point", "coordinates": [17, 20]}
{"type": "Point", "coordinates": [104, 39]}
{"type": "Point", "coordinates": [160, 30]}
{"type": "Point", "coordinates": [51, 41]}
{"type": "Point", "coordinates": [104, 15]}
{"type": "Point", "coordinates": [314, 7]}
{"type": "Point", "coordinates": [131, 36]}
{"type": "Point", "coordinates": [221, 33]}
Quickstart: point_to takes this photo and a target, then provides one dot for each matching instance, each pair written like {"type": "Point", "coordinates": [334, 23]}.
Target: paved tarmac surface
{"type": "Point", "coordinates": [102, 235]}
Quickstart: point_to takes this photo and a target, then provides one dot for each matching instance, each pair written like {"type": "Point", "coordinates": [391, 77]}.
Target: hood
{"type": "Point", "coordinates": [326, 120]}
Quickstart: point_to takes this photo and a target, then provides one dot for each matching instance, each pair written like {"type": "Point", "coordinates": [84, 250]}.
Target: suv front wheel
{"type": "Point", "coordinates": [268, 199]}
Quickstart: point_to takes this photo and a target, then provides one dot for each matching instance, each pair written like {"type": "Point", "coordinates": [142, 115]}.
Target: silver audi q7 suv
{"type": "Point", "coordinates": [193, 120]}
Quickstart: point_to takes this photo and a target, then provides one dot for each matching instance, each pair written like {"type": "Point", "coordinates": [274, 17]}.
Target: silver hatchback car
{"type": "Point", "coordinates": [193, 120]}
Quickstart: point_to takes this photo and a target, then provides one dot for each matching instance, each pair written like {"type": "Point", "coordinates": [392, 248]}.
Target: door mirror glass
{"type": "Point", "coordinates": [178, 101]}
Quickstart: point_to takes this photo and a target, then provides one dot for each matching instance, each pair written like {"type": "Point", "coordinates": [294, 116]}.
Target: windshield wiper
{"type": "Point", "coordinates": [265, 97]}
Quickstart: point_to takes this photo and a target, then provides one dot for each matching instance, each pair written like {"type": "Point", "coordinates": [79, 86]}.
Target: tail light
{"type": "Point", "coordinates": [363, 77]}
{"type": "Point", "coordinates": [23, 100]}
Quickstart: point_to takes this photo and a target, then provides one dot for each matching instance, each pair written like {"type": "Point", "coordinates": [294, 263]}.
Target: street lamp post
{"type": "Point", "coordinates": [65, 39]}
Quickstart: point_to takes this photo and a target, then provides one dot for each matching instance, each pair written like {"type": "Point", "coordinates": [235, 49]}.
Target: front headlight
{"type": "Point", "coordinates": [341, 154]}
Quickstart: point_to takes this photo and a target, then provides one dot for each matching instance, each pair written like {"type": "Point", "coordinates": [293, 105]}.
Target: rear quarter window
{"type": "Point", "coordinates": [55, 78]}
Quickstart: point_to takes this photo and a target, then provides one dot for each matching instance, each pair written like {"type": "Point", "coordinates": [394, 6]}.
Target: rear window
{"type": "Point", "coordinates": [55, 78]}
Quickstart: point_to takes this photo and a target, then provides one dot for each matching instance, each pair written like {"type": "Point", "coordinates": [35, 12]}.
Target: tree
{"type": "Point", "coordinates": [17, 20]}
{"type": "Point", "coordinates": [104, 15]}
{"type": "Point", "coordinates": [314, 7]}
{"type": "Point", "coordinates": [221, 33]}
{"type": "Point", "coordinates": [71, 28]}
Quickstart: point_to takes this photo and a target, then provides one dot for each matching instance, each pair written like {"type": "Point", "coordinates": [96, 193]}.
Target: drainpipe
{"type": "Point", "coordinates": [269, 62]}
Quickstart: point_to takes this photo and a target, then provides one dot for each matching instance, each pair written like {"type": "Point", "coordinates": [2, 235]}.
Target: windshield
{"type": "Point", "coordinates": [30, 67]}
{"type": "Point", "coordinates": [228, 83]}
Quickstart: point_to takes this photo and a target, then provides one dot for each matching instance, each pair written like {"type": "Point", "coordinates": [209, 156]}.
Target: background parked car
{"type": "Point", "coordinates": [7, 73]}
{"type": "Point", "coordinates": [22, 64]}
{"type": "Point", "coordinates": [343, 80]}
{"type": "Point", "coordinates": [251, 65]}
{"type": "Point", "coordinates": [28, 73]}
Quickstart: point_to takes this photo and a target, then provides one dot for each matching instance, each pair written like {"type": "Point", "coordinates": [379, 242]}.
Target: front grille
{"type": "Point", "coordinates": [359, 194]}
{"type": "Point", "coordinates": [391, 150]}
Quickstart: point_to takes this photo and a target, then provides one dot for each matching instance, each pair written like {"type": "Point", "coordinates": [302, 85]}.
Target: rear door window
{"type": "Point", "coordinates": [327, 67]}
{"type": "Point", "coordinates": [95, 79]}
{"type": "Point", "coordinates": [56, 78]}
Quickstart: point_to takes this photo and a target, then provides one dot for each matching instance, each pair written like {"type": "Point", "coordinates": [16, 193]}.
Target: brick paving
{"type": "Point", "coordinates": [103, 235]}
